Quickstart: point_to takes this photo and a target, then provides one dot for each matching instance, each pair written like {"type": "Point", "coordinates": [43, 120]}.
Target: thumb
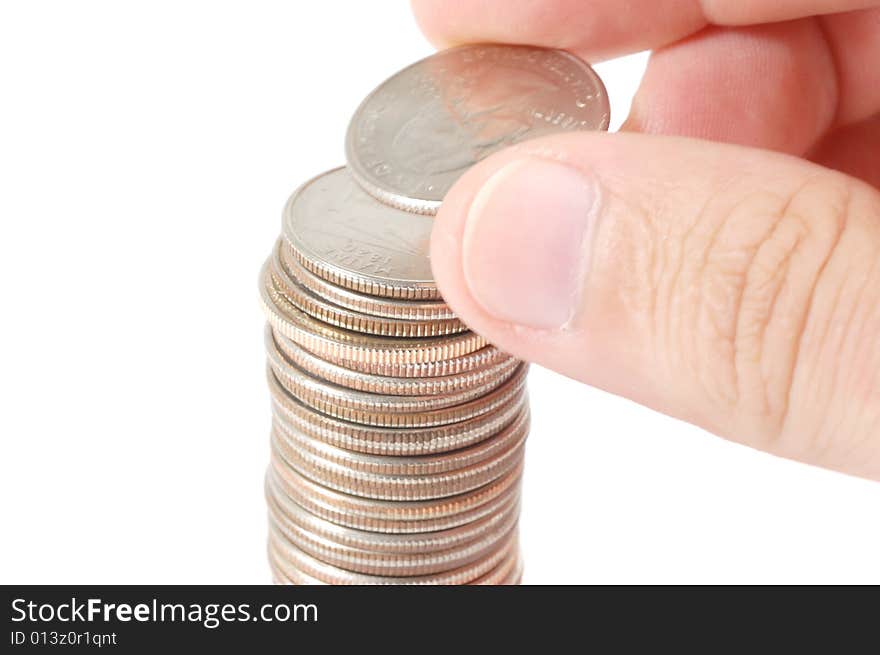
{"type": "Point", "coordinates": [734, 288]}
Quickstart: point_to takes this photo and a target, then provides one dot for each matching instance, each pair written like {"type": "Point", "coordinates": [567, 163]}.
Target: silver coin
{"type": "Point", "coordinates": [396, 411]}
{"type": "Point", "coordinates": [415, 135]}
{"type": "Point", "coordinates": [343, 235]}
{"type": "Point", "coordinates": [292, 560]}
{"type": "Point", "coordinates": [328, 312]}
{"type": "Point", "coordinates": [397, 487]}
{"type": "Point", "coordinates": [389, 516]}
{"type": "Point", "coordinates": [384, 384]}
{"type": "Point", "coordinates": [508, 572]}
{"type": "Point", "coordinates": [414, 465]}
{"type": "Point", "coordinates": [382, 409]}
{"type": "Point", "coordinates": [340, 345]}
{"type": "Point", "coordinates": [417, 310]}
{"type": "Point", "coordinates": [425, 542]}
{"type": "Point", "coordinates": [283, 575]}
{"type": "Point", "coordinates": [391, 441]}
{"type": "Point", "coordinates": [381, 562]}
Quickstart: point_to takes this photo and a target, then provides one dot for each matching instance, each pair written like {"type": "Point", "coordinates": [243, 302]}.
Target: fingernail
{"type": "Point", "coordinates": [525, 242]}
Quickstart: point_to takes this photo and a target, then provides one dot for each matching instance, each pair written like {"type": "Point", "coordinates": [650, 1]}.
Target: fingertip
{"type": "Point", "coordinates": [447, 256]}
{"type": "Point", "coordinates": [766, 86]}
{"type": "Point", "coordinates": [507, 246]}
{"type": "Point", "coordinates": [432, 19]}
{"type": "Point", "coordinates": [592, 30]}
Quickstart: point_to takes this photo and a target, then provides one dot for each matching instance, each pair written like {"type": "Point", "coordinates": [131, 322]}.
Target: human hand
{"type": "Point", "coordinates": [733, 286]}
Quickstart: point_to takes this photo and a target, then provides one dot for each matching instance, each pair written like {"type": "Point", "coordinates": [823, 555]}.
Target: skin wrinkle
{"type": "Point", "coordinates": [684, 344]}
{"type": "Point", "coordinates": [785, 267]}
{"type": "Point", "coordinates": [642, 219]}
{"type": "Point", "coordinates": [851, 319]}
{"type": "Point", "coordinates": [657, 336]}
{"type": "Point", "coordinates": [633, 290]}
{"type": "Point", "coordinates": [818, 447]}
{"type": "Point", "coordinates": [821, 446]}
{"type": "Point", "coordinates": [779, 218]}
{"type": "Point", "coordinates": [701, 300]}
{"type": "Point", "coordinates": [842, 220]}
{"type": "Point", "coordinates": [703, 274]}
{"type": "Point", "coordinates": [673, 285]}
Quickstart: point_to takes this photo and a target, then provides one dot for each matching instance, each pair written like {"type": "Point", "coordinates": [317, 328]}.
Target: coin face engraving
{"type": "Point", "coordinates": [331, 222]}
{"type": "Point", "coordinates": [419, 131]}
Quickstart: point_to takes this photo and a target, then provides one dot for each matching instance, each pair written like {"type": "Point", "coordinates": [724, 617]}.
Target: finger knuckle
{"type": "Point", "coordinates": [752, 261]}
{"type": "Point", "coordinates": [833, 413]}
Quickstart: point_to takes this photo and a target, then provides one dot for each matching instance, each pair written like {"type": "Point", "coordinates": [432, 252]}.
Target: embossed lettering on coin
{"type": "Point", "coordinates": [343, 235]}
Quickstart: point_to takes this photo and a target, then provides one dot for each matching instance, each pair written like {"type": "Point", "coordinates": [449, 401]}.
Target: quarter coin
{"type": "Point", "coordinates": [291, 558]}
{"type": "Point", "coordinates": [416, 310]}
{"type": "Point", "coordinates": [345, 236]}
{"type": "Point", "coordinates": [397, 487]}
{"type": "Point", "coordinates": [394, 564]}
{"type": "Point", "coordinates": [414, 465]}
{"type": "Point", "coordinates": [385, 384]}
{"type": "Point", "coordinates": [427, 542]}
{"type": "Point", "coordinates": [415, 135]}
{"type": "Point", "coordinates": [341, 345]}
{"type": "Point", "coordinates": [388, 516]}
{"type": "Point", "coordinates": [394, 411]}
{"type": "Point", "coordinates": [324, 310]}
{"type": "Point", "coordinates": [390, 441]}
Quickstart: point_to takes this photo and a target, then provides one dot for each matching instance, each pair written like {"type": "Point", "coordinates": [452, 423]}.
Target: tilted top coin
{"type": "Point", "coordinates": [342, 234]}
{"type": "Point", "coordinates": [415, 135]}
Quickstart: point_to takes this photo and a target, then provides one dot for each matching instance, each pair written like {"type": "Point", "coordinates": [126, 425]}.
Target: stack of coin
{"type": "Point", "coordinates": [397, 433]}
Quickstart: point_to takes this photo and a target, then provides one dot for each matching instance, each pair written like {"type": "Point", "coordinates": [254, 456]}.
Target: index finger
{"type": "Point", "coordinates": [600, 29]}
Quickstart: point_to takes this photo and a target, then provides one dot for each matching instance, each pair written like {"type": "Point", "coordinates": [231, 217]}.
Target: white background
{"type": "Point", "coordinates": [146, 150]}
